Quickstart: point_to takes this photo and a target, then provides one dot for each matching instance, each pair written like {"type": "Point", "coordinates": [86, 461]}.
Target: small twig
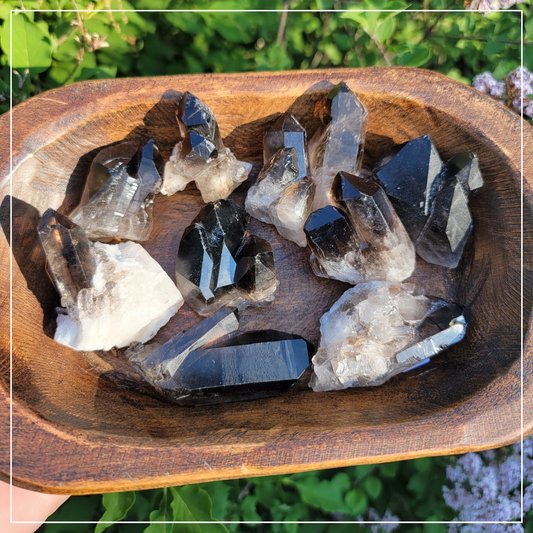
{"type": "Point", "coordinates": [316, 54]}
{"type": "Point", "coordinates": [79, 59]}
{"type": "Point", "coordinates": [22, 6]}
{"type": "Point", "coordinates": [479, 39]}
{"type": "Point", "coordinates": [382, 48]}
{"type": "Point", "coordinates": [282, 22]}
{"type": "Point", "coordinates": [429, 29]}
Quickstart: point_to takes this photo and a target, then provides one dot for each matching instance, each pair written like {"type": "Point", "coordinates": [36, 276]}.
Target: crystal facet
{"type": "Point", "coordinates": [112, 295]}
{"type": "Point", "coordinates": [335, 246]}
{"type": "Point", "coordinates": [389, 254]}
{"type": "Point", "coordinates": [70, 260]}
{"type": "Point", "coordinates": [379, 329]}
{"type": "Point", "coordinates": [217, 265]}
{"type": "Point", "coordinates": [201, 156]}
{"type": "Point", "coordinates": [117, 201]}
{"type": "Point", "coordinates": [282, 196]}
{"type": "Point", "coordinates": [411, 179]}
{"type": "Point", "coordinates": [338, 143]}
{"type": "Point", "coordinates": [287, 132]}
{"type": "Point", "coordinates": [245, 367]}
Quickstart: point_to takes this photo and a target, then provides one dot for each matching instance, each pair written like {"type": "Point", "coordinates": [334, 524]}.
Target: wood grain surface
{"type": "Point", "coordinates": [86, 423]}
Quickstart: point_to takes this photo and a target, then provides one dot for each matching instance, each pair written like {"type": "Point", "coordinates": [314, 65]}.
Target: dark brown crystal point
{"type": "Point", "coordinates": [70, 261]}
{"type": "Point", "coordinates": [117, 202]}
{"type": "Point", "coordinates": [215, 266]}
{"type": "Point", "coordinates": [199, 129]}
{"type": "Point", "coordinates": [411, 179]}
{"type": "Point", "coordinates": [287, 132]}
{"type": "Point", "coordinates": [253, 365]}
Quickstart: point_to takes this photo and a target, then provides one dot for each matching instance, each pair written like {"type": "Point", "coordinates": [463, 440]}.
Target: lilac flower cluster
{"type": "Point", "coordinates": [491, 5]}
{"type": "Point", "coordinates": [393, 521]}
{"type": "Point", "coordinates": [515, 90]}
{"type": "Point", "coordinates": [486, 487]}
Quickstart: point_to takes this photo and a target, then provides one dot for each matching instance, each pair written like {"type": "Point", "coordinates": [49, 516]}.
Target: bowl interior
{"type": "Point", "coordinates": [99, 392]}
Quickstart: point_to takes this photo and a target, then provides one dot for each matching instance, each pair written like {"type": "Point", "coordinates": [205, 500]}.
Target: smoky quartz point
{"type": "Point", "coordinates": [117, 201]}
{"type": "Point", "coordinates": [432, 198]}
{"type": "Point", "coordinates": [70, 260]}
{"type": "Point", "coordinates": [411, 179]}
{"type": "Point", "coordinates": [201, 155]}
{"type": "Point", "coordinates": [337, 145]}
{"type": "Point", "coordinates": [111, 295]}
{"type": "Point", "coordinates": [360, 238]}
{"type": "Point", "coordinates": [249, 366]}
{"type": "Point", "coordinates": [218, 264]}
{"type": "Point", "coordinates": [283, 194]}
{"type": "Point", "coordinates": [379, 329]}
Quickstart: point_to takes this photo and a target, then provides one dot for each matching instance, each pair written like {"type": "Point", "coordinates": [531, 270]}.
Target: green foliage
{"type": "Point", "coordinates": [56, 48]}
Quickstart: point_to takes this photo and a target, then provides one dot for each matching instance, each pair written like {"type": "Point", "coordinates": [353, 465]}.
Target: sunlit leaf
{"type": "Point", "coordinates": [117, 505]}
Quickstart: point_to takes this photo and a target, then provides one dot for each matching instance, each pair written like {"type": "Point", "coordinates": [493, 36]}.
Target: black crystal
{"type": "Point", "coordinates": [199, 129]}
{"type": "Point", "coordinates": [465, 167]}
{"type": "Point", "coordinates": [70, 260]}
{"type": "Point", "coordinates": [287, 132]}
{"type": "Point", "coordinates": [411, 179]}
{"type": "Point", "coordinates": [209, 255]}
{"type": "Point", "coordinates": [248, 366]}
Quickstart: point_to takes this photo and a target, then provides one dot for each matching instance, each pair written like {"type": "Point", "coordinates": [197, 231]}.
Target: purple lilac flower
{"type": "Point", "coordinates": [488, 84]}
{"type": "Point", "coordinates": [486, 487]}
{"type": "Point", "coordinates": [492, 5]}
{"type": "Point", "coordinates": [373, 515]}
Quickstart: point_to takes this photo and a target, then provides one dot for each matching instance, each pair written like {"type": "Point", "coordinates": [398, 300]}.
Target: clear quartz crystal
{"type": "Point", "coordinates": [112, 295]}
{"type": "Point", "coordinates": [117, 201]}
{"type": "Point", "coordinates": [218, 264]}
{"type": "Point", "coordinates": [201, 155]}
{"type": "Point", "coordinates": [379, 329]}
{"type": "Point", "coordinates": [283, 194]}
{"type": "Point", "coordinates": [338, 143]}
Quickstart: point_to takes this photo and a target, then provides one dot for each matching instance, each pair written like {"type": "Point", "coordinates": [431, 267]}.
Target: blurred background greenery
{"type": "Point", "coordinates": [53, 48]}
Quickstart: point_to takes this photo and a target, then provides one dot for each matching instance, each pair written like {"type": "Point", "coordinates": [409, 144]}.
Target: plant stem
{"type": "Point", "coordinates": [480, 39]}
{"type": "Point", "coordinates": [282, 22]}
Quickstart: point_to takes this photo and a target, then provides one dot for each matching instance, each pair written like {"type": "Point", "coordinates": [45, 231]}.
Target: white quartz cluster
{"type": "Point", "coordinates": [130, 299]}
{"type": "Point", "coordinates": [378, 329]}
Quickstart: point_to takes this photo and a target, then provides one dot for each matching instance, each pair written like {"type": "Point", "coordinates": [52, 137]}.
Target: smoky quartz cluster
{"type": "Point", "coordinates": [363, 226]}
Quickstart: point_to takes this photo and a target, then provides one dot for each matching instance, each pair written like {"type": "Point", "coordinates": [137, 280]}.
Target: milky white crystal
{"type": "Point", "coordinates": [215, 179]}
{"type": "Point", "coordinates": [130, 299]}
{"type": "Point", "coordinates": [374, 331]}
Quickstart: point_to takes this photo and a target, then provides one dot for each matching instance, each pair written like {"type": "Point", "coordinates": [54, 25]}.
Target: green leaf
{"type": "Point", "coordinates": [529, 27]}
{"type": "Point", "coordinates": [385, 30]}
{"type": "Point", "coordinates": [192, 504]}
{"type": "Point", "coordinates": [248, 510]}
{"type": "Point", "coordinates": [32, 46]}
{"type": "Point", "coordinates": [493, 47]}
{"type": "Point", "coordinates": [117, 505]}
{"type": "Point", "coordinates": [389, 470]}
{"type": "Point", "coordinates": [356, 501]}
{"type": "Point", "coordinates": [414, 56]}
{"type": "Point", "coordinates": [373, 487]}
{"type": "Point", "coordinates": [434, 528]}
{"type": "Point", "coordinates": [219, 493]}
{"type": "Point", "coordinates": [163, 513]}
{"type": "Point", "coordinates": [324, 495]}
{"type": "Point", "coordinates": [423, 464]}
{"type": "Point", "coordinates": [417, 485]}
{"type": "Point", "coordinates": [362, 470]}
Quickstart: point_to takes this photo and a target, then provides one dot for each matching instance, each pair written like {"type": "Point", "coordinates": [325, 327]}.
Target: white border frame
{"type": "Point", "coordinates": [266, 11]}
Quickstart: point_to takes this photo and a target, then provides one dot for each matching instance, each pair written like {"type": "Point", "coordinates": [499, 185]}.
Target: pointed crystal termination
{"type": "Point", "coordinates": [216, 264]}
{"type": "Point", "coordinates": [117, 201]}
{"type": "Point", "coordinates": [411, 179]}
{"type": "Point", "coordinates": [113, 294]}
{"type": "Point", "coordinates": [338, 143]}
{"type": "Point", "coordinates": [379, 329]}
{"type": "Point", "coordinates": [253, 365]}
{"type": "Point", "coordinates": [287, 132]}
{"type": "Point", "coordinates": [159, 362]}
{"type": "Point", "coordinates": [70, 261]}
{"type": "Point", "coordinates": [335, 246]}
{"type": "Point", "coordinates": [282, 196]}
{"type": "Point", "coordinates": [389, 254]}
{"type": "Point", "coordinates": [201, 156]}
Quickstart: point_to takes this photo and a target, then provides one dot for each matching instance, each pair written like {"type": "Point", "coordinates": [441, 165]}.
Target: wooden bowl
{"type": "Point", "coordinates": [85, 422]}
